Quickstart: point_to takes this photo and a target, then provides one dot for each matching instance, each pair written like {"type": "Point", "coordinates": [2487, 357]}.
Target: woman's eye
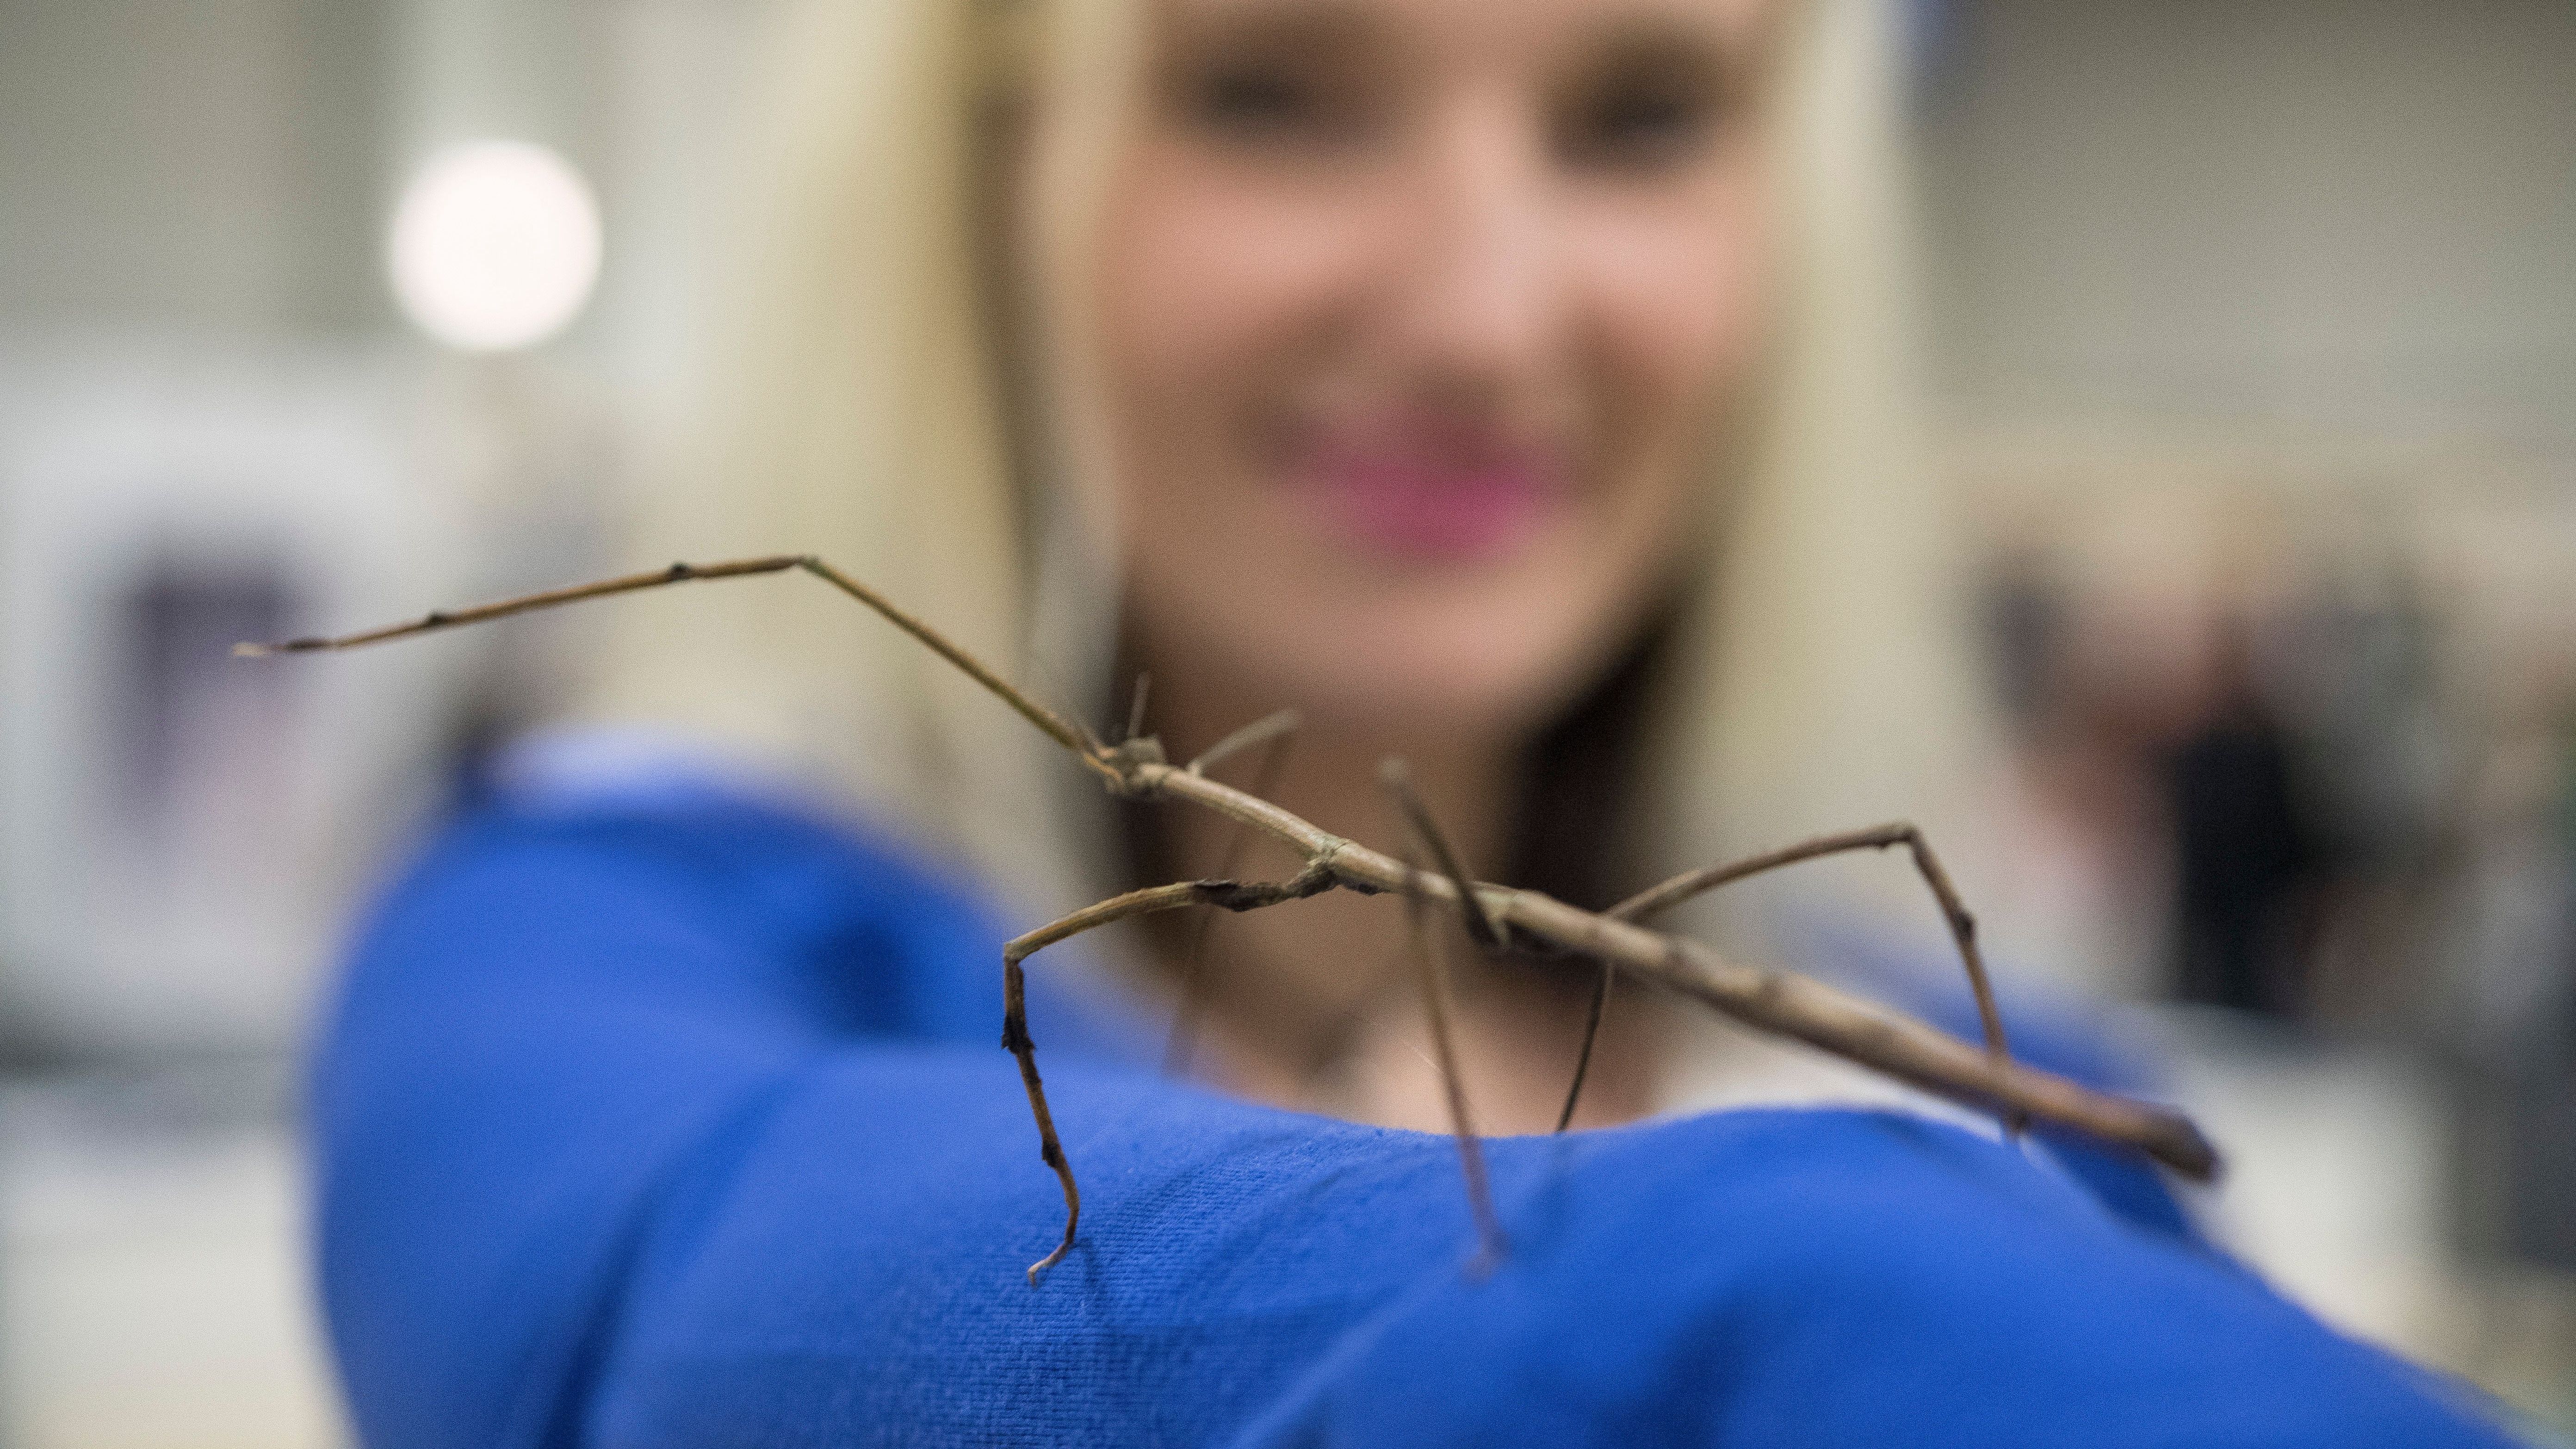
{"type": "Point", "coordinates": [1642, 117]}
{"type": "Point", "coordinates": [1296, 101]}
{"type": "Point", "coordinates": [1254, 101]}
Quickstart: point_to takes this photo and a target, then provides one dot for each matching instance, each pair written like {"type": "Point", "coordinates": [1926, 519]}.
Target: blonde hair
{"type": "Point", "coordinates": [859, 409]}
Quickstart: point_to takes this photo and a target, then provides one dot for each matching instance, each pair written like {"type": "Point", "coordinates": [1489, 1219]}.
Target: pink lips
{"type": "Point", "coordinates": [1432, 497]}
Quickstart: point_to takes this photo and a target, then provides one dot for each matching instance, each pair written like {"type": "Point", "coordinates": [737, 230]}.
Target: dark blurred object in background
{"type": "Point", "coordinates": [2244, 851]}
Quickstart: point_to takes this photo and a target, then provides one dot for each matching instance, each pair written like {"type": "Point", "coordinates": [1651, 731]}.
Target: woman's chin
{"type": "Point", "coordinates": [1429, 683]}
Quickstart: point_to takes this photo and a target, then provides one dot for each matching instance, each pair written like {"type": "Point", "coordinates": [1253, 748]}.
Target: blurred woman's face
{"type": "Point", "coordinates": [1417, 318]}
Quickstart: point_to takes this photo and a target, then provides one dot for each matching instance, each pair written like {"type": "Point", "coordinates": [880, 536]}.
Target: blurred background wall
{"type": "Point", "coordinates": [2255, 344]}
{"type": "Point", "coordinates": [2253, 350]}
{"type": "Point", "coordinates": [216, 423]}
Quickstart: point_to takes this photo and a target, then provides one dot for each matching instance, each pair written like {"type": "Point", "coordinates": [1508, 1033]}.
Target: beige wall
{"type": "Point", "coordinates": [198, 164]}
{"type": "Point", "coordinates": [2345, 214]}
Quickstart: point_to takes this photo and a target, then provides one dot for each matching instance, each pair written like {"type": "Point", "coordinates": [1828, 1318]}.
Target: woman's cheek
{"type": "Point", "coordinates": [1163, 262]}
{"type": "Point", "coordinates": [1211, 278]}
{"type": "Point", "coordinates": [1683, 306]}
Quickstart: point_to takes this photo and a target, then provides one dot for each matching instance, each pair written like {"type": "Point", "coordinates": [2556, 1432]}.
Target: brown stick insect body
{"type": "Point", "coordinates": [1497, 918]}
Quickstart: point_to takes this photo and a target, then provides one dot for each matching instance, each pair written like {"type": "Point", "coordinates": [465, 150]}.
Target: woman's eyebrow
{"type": "Point", "coordinates": [1678, 31]}
{"type": "Point", "coordinates": [1660, 44]}
{"type": "Point", "coordinates": [1659, 32]}
{"type": "Point", "coordinates": [1325, 25]}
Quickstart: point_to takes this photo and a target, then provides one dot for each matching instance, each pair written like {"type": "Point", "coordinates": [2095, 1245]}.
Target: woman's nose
{"type": "Point", "coordinates": [1478, 302]}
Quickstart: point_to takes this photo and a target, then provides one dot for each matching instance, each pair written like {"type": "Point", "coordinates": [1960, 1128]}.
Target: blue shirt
{"type": "Point", "coordinates": [682, 1121]}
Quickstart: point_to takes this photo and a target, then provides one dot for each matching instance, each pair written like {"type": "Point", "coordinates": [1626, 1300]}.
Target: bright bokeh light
{"type": "Point", "coordinates": [495, 246]}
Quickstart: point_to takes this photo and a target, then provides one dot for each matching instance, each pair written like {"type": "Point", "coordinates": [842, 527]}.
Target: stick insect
{"type": "Point", "coordinates": [1496, 918]}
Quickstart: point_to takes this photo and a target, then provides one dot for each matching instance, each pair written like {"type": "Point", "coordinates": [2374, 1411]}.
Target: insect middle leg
{"type": "Point", "coordinates": [1431, 974]}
